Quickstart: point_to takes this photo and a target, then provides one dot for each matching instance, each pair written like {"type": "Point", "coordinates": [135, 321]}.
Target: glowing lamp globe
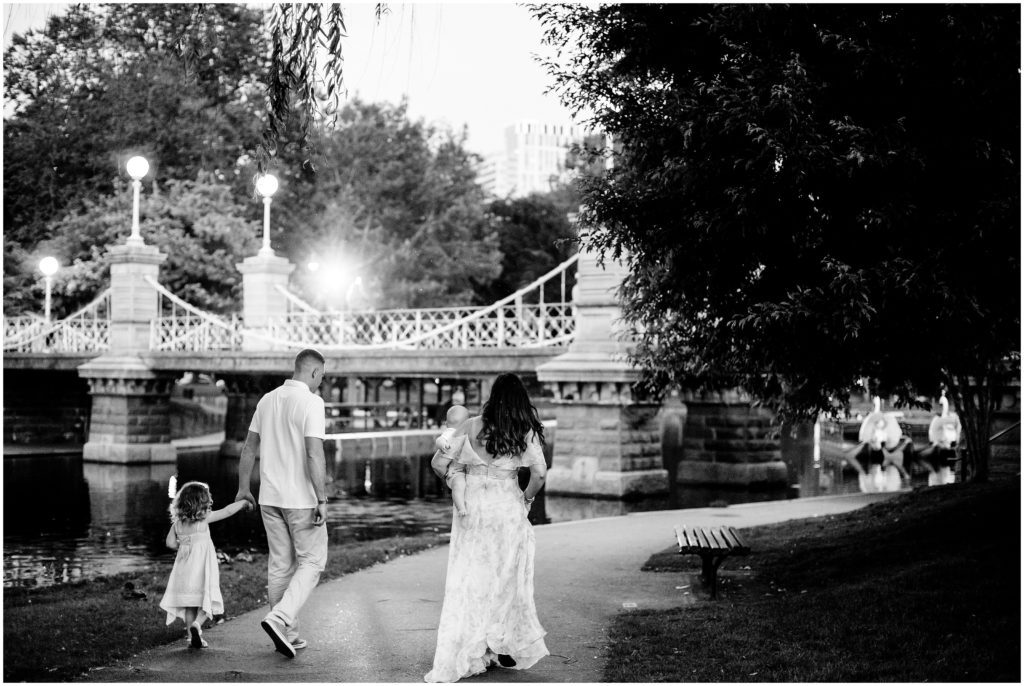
{"type": "Point", "coordinates": [266, 185]}
{"type": "Point", "coordinates": [137, 167]}
{"type": "Point", "coordinates": [48, 266]}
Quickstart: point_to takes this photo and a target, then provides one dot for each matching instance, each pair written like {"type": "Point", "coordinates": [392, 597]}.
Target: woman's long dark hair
{"type": "Point", "coordinates": [509, 417]}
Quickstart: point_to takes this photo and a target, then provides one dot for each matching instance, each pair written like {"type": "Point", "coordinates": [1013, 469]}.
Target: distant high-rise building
{"type": "Point", "coordinates": [533, 158]}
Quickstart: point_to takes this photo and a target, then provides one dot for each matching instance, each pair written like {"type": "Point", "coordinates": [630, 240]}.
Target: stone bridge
{"type": "Point", "coordinates": [120, 358]}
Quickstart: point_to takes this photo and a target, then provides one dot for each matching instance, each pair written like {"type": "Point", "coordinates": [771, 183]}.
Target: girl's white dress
{"type": "Point", "coordinates": [195, 578]}
{"type": "Point", "coordinates": [488, 605]}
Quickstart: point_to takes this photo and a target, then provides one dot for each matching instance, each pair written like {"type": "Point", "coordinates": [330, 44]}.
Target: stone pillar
{"type": "Point", "coordinates": [131, 412]}
{"type": "Point", "coordinates": [730, 442]}
{"type": "Point", "coordinates": [262, 301]}
{"type": "Point", "coordinates": [608, 441]}
{"type": "Point", "coordinates": [133, 302]}
{"type": "Point", "coordinates": [130, 416]}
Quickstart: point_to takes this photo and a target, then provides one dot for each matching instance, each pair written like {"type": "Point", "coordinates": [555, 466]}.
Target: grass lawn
{"type": "Point", "coordinates": [924, 587]}
{"type": "Point", "coordinates": [59, 632]}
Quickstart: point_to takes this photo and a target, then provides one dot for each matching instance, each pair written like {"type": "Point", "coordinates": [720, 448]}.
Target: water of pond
{"type": "Point", "coordinates": [65, 519]}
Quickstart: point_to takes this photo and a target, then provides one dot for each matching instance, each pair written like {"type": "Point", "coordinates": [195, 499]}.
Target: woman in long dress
{"type": "Point", "coordinates": [489, 616]}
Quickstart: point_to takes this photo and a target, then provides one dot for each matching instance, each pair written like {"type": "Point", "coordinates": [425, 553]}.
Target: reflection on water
{"type": "Point", "coordinates": [65, 519]}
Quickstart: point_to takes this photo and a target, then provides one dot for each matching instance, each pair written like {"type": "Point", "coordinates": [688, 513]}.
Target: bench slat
{"type": "Point", "coordinates": [741, 545]}
{"type": "Point", "coordinates": [691, 538]}
{"type": "Point", "coordinates": [709, 533]}
{"type": "Point", "coordinates": [723, 539]}
{"type": "Point", "coordinates": [681, 537]}
{"type": "Point", "coordinates": [729, 535]}
{"type": "Point", "coordinates": [704, 538]}
{"type": "Point", "coordinates": [720, 541]}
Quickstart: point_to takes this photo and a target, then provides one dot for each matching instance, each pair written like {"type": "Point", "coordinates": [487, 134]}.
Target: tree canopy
{"type": "Point", "coordinates": [186, 86]}
{"type": "Point", "coordinates": [394, 201]}
{"type": "Point", "coordinates": [198, 224]}
{"type": "Point", "coordinates": [808, 195]}
{"type": "Point", "coordinates": [535, 236]}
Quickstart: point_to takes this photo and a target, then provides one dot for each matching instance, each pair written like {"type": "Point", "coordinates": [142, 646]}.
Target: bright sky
{"type": "Point", "coordinates": [458, 63]}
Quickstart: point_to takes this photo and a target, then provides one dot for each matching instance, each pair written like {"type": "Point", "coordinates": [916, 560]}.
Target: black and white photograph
{"type": "Point", "coordinates": [498, 342]}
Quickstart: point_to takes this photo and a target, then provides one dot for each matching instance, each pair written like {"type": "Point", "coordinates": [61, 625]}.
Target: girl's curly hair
{"type": "Point", "coordinates": [192, 503]}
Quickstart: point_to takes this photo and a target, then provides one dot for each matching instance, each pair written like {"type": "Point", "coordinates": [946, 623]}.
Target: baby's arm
{"type": "Point", "coordinates": [225, 512]}
{"type": "Point", "coordinates": [172, 539]}
{"type": "Point", "coordinates": [444, 441]}
{"type": "Point", "coordinates": [439, 463]}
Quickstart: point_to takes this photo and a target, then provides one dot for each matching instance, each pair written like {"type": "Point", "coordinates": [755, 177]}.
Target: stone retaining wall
{"type": "Point", "coordinates": [727, 441]}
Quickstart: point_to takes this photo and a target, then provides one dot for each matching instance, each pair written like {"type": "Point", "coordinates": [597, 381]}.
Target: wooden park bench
{"type": "Point", "coordinates": [713, 544]}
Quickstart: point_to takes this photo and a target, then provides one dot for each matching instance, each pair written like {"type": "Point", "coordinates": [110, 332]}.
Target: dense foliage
{"type": "Point", "coordinates": [99, 84]}
{"type": "Point", "coordinates": [393, 199]}
{"type": "Point", "coordinates": [809, 195]}
{"type": "Point", "coordinates": [198, 224]}
{"type": "Point", "coordinates": [535, 236]}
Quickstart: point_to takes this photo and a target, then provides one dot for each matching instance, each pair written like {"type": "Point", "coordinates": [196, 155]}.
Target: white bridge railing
{"type": "Point", "coordinates": [506, 326]}
{"type": "Point", "coordinates": [508, 323]}
{"type": "Point", "coordinates": [85, 331]}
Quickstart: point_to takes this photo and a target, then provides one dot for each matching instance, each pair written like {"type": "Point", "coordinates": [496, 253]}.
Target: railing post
{"type": "Point", "coordinates": [501, 327]}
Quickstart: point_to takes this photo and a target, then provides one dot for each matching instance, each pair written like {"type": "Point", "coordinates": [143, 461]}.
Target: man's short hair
{"type": "Point", "coordinates": [308, 357]}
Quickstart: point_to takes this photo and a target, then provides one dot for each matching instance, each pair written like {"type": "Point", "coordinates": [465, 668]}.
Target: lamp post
{"type": "Point", "coordinates": [48, 266]}
{"type": "Point", "coordinates": [137, 168]}
{"type": "Point", "coordinates": [266, 186]}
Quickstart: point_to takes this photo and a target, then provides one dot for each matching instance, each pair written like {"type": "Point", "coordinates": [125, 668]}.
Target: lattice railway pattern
{"type": "Point", "coordinates": [85, 331]}
{"type": "Point", "coordinates": [182, 327]}
{"type": "Point", "coordinates": [509, 323]}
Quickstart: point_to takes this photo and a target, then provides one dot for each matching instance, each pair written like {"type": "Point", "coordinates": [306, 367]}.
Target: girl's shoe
{"type": "Point", "coordinates": [195, 636]}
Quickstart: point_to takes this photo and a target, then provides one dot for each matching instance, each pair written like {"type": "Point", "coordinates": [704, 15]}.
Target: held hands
{"type": "Point", "coordinates": [246, 495]}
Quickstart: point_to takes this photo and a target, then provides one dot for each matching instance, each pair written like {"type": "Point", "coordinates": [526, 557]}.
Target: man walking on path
{"type": "Point", "coordinates": [287, 431]}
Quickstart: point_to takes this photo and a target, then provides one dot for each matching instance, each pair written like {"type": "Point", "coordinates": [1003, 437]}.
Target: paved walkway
{"type": "Point", "coordinates": [379, 624]}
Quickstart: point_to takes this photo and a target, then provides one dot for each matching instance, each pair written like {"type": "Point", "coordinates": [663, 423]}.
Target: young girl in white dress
{"type": "Point", "coordinates": [193, 589]}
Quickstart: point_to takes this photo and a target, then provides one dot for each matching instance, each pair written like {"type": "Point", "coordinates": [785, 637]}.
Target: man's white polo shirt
{"type": "Point", "coordinates": [283, 419]}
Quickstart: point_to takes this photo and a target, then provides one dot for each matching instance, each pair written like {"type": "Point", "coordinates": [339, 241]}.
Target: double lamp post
{"type": "Point", "coordinates": [137, 168]}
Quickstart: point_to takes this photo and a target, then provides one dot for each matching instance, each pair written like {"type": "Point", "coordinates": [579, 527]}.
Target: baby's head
{"type": "Point", "coordinates": [192, 503]}
{"type": "Point", "coordinates": [456, 415]}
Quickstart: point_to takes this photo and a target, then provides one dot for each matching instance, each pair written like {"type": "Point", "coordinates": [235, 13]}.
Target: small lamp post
{"type": "Point", "coordinates": [137, 168]}
{"type": "Point", "coordinates": [266, 186]}
{"type": "Point", "coordinates": [48, 266]}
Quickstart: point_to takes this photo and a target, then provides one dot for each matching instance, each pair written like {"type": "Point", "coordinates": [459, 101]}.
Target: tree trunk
{"type": "Point", "coordinates": [974, 400]}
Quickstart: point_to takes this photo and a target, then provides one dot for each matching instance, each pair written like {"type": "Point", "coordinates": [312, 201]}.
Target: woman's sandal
{"type": "Point", "coordinates": [195, 636]}
{"type": "Point", "coordinates": [506, 660]}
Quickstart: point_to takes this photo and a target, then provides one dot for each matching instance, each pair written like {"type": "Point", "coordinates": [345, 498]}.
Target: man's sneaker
{"type": "Point", "coordinates": [299, 643]}
{"type": "Point", "coordinates": [276, 633]}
